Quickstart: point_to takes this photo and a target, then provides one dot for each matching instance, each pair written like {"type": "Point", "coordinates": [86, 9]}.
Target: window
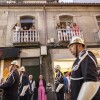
{"type": "Point", "coordinates": [98, 20]}
{"type": "Point", "coordinates": [27, 22]}
{"type": "Point", "coordinates": [65, 19]}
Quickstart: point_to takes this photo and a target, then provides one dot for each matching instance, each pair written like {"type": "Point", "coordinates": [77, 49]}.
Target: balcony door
{"type": "Point", "coordinates": [27, 22]}
{"type": "Point", "coordinates": [32, 66]}
{"type": "Point", "coordinates": [64, 19]}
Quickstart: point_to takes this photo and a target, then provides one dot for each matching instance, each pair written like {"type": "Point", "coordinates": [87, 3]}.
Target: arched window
{"type": "Point", "coordinates": [27, 22]}
{"type": "Point", "coordinates": [64, 19]}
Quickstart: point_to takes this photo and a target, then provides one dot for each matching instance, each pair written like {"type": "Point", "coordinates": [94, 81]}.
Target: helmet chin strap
{"type": "Point", "coordinates": [76, 54]}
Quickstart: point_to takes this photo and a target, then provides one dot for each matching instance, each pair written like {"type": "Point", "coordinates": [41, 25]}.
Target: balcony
{"type": "Point", "coordinates": [66, 35]}
{"type": "Point", "coordinates": [26, 38]}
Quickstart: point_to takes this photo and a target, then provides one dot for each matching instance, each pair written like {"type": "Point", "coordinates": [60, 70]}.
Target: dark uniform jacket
{"type": "Point", "coordinates": [10, 86]}
{"type": "Point", "coordinates": [24, 81]}
{"type": "Point", "coordinates": [84, 70]}
{"type": "Point", "coordinates": [59, 80]}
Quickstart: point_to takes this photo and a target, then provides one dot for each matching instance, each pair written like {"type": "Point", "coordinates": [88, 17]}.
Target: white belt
{"type": "Point", "coordinates": [76, 78]}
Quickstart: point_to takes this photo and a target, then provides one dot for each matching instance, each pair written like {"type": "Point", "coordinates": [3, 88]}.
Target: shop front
{"type": "Point", "coordinates": [7, 54]}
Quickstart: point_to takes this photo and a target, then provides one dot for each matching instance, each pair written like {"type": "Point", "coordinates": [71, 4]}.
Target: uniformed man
{"type": "Point", "coordinates": [24, 87]}
{"type": "Point", "coordinates": [84, 76]}
{"type": "Point", "coordinates": [59, 84]}
{"type": "Point", "coordinates": [11, 84]}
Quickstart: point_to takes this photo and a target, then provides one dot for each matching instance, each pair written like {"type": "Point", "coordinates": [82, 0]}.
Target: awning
{"type": "Point", "coordinates": [9, 53]}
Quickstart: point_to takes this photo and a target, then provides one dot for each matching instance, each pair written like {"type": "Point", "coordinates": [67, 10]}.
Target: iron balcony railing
{"type": "Point", "coordinates": [26, 36]}
{"type": "Point", "coordinates": [66, 35]}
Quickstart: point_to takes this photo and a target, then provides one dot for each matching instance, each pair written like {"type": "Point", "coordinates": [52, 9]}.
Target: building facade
{"type": "Point", "coordinates": [87, 1]}
{"type": "Point", "coordinates": [39, 45]}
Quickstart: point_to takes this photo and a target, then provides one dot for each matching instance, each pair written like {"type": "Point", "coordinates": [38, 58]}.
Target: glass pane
{"type": "Point", "coordinates": [98, 18]}
{"type": "Point", "coordinates": [30, 61]}
{"type": "Point", "coordinates": [26, 20]}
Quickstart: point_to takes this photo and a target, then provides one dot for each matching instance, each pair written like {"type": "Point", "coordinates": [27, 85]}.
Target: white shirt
{"type": "Point", "coordinates": [32, 85]}
{"type": "Point", "coordinates": [17, 28]}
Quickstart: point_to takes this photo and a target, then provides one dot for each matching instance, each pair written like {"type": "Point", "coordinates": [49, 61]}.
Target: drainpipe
{"type": "Point", "coordinates": [46, 38]}
{"type": "Point", "coordinates": [45, 25]}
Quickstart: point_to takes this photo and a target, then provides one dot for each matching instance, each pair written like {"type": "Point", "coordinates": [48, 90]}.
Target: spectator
{"type": "Point", "coordinates": [76, 29]}
{"type": "Point", "coordinates": [32, 28]}
{"type": "Point", "coordinates": [68, 78]}
{"type": "Point", "coordinates": [24, 85]}
{"type": "Point", "coordinates": [17, 27]}
{"type": "Point", "coordinates": [65, 85]}
{"type": "Point", "coordinates": [68, 26]}
{"type": "Point", "coordinates": [24, 28]}
{"type": "Point", "coordinates": [31, 86]}
{"type": "Point", "coordinates": [68, 31]}
{"type": "Point", "coordinates": [10, 86]}
{"type": "Point", "coordinates": [41, 86]}
{"type": "Point", "coordinates": [58, 26]}
{"type": "Point", "coordinates": [62, 26]}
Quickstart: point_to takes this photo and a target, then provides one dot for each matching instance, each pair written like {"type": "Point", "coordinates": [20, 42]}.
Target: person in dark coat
{"type": "Point", "coordinates": [84, 76]}
{"type": "Point", "coordinates": [10, 86]}
{"type": "Point", "coordinates": [59, 84]}
{"type": "Point", "coordinates": [41, 88]}
{"type": "Point", "coordinates": [23, 86]}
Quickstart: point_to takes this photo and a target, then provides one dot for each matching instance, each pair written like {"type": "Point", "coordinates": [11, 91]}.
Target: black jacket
{"type": "Point", "coordinates": [10, 86]}
{"type": "Point", "coordinates": [86, 72]}
{"type": "Point", "coordinates": [24, 82]}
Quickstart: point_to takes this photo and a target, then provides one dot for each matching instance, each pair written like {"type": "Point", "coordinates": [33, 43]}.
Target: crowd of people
{"type": "Point", "coordinates": [21, 86]}
{"type": "Point", "coordinates": [82, 84]}
{"type": "Point", "coordinates": [69, 28]}
{"type": "Point", "coordinates": [17, 27]}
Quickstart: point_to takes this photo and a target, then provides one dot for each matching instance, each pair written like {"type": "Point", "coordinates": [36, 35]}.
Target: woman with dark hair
{"type": "Point", "coordinates": [41, 86]}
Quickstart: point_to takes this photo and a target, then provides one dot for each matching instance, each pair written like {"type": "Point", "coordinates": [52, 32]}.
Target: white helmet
{"type": "Point", "coordinates": [22, 68]}
{"type": "Point", "coordinates": [76, 40]}
{"type": "Point", "coordinates": [15, 62]}
{"type": "Point", "coordinates": [57, 67]}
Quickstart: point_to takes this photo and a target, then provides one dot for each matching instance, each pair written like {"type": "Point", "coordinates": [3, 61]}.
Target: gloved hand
{"type": "Point", "coordinates": [22, 94]}
{"type": "Point", "coordinates": [57, 90]}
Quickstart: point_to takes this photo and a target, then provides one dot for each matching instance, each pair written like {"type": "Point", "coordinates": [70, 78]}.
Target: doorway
{"type": "Point", "coordinates": [32, 66]}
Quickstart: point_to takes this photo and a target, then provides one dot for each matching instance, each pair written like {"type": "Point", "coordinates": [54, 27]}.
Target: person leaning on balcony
{"type": "Point", "coordinates": [84, 76]}
{"type": "Point", "coordinates": [17, 27]}
{"type": "Point", "coordinates": [10, 86]}
{"type": "Point", "coordinates": [32, 28]}
{"type": "Point", "coordinates": [25, 28]}
{"type": "Point", "coordinates": [58, 26]}
{"type": "Point", "coordinates": [76, 29]}
{"type": "Point", "coordinates": [24, 85]}
{"type": "Point", "coordinates": [68, 26]}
